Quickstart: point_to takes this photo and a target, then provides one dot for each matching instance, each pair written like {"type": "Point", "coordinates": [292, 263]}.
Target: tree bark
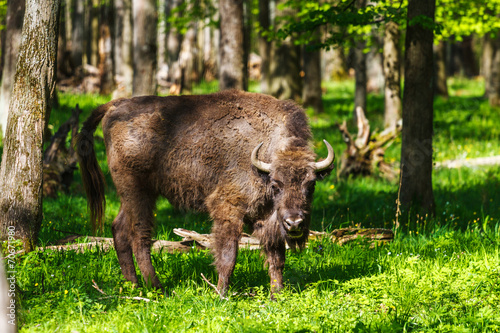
{"type": "Point", "coordinates": [107, 83]}
{"type": "Point", "coordinates": [360, 89]}
{"type": "Point", "coordinates": [441, 87]}
{"type": "Point", "coordinates": [34, 86]}
{"type": "Point", "coordinates": [123, 49]}
{"type": "Point", "coordinates": [232, 67]}
{"type": "Point", "coordinates": [494, 79]}
{"type": "Point", "coordinates": [312, 93]}
{"type": "Point", "coordinates": [145, 19]}
{"type": "Point", "coordinates": [77, 38]}
{"type": "Point", "coordinates": [392, 66]}
{"type": "Point", "coordinates": [94, 34]}
{"type": "Point", "coordinates": [487, 57]}
{"type": "Point", "coordinates": [284, 68]}
{"type": "Point", "coordinates": [416, 148]}
{"type": "Point", "coordinates": [264, 45]}
{"type": "Point", "coordinates": [10, 50]}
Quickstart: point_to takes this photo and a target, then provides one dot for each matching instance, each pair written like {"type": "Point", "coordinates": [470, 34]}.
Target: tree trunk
{"type": "Point", "coordinates": [34, 86]}
{"type": "Point", "coordinates": [441, 87]}
{"type": "Point", "coordinates": [312, 94]}
{"type": "Point", "coordinates": [107, 82]}
{"type": "Point", "coordinates": [123, 49]}
{"type": "Point", "coordinates": [335, 64]}
{"type": "Point", "coordinates": [232, 67]}
{"type": "Point", "coordinates": [416, 148]}
{"type": "Point", "coordinates": [13, 26]}
{"type": "Point", "coordinates": [187, 60]}
{"type": "Point", "coordinates": [77, 35]}
{"type": "Point", "coordinates": [392, 66]}
{"type": "Point", "coordinates": [94, 34]}
{"type": "Point", "coordinates": [284, 68]}
{"type": "Point", "coordinates": [145, 19]}
{"type": "Point", "coordinates": [161, 38]}
{"type": "Point", "coordinates": [360, 89]}
{"type": "Point", "coordinates": [264, 45]}
{"type": "Point", "coordinates": [488, 51]}
{"type": "Point", "coordinates": [494, 79]}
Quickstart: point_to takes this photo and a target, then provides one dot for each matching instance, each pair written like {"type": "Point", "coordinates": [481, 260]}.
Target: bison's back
{"type": "Point", "coordinates": [184, 147]}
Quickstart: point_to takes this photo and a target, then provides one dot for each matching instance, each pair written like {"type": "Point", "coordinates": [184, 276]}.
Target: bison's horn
{"type": "Point", "coordinates": [320, 166]}
{"type": "Point", "coordinates": [262, 166]}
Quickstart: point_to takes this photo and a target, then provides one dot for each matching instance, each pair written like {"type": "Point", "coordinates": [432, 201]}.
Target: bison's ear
{"type": "Point", "coordinates": [320, 175]}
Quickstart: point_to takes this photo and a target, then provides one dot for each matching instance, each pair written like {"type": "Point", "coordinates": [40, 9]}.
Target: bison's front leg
{"type": "Point", "coordinates": [226, 231]}
{"type": "Point", "coordinates": [276, 260]}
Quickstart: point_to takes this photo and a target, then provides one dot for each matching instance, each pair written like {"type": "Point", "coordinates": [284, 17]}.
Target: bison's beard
{"type": "Point", "coordinates": [272, 234]}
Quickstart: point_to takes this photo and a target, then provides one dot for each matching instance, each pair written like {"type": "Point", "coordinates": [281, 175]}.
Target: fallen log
{"type": "Point", "coordinates": [472, 162]}
{"type": "Point", "coordinates": [193, 240]}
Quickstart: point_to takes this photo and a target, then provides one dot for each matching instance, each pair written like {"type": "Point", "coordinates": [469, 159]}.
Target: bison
{"type": "Point", "coordinates": [244, 158]}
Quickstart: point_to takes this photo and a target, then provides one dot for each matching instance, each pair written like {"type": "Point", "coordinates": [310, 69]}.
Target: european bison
{"type": "Point", "coordinates": [244, 158]}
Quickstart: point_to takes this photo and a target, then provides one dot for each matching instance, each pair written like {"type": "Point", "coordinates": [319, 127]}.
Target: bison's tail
{"type": "Point", "coordinates": [92, 176]}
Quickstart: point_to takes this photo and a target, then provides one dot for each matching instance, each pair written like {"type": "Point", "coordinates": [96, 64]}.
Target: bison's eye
{"type": "Point", "coordinates": [277, 186]}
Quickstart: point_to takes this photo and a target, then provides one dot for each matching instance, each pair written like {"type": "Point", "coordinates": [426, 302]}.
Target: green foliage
{"type": "Point", "coordinates": [3, 13]}
{"type": "Point", "coordinates": [191, 11]}
{"type": "Point", "coordinates": [440, 274]}
{"type": "Point", "coordinates": [464, 18]}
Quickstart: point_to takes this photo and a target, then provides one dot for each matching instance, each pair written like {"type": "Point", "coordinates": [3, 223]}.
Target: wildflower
{"type": "Point", "coordinates": [65, 292]}
{"type": "Point", "coordinates": [36, 284]}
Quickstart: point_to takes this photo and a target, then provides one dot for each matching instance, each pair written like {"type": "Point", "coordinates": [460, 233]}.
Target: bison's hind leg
{"type": "Point", "coordinates": [138, 206]}
{"type": "Point", "coordinates": [121, 237]}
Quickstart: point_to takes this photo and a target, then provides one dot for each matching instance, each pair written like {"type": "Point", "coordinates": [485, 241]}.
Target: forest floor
{"type": "Point", "coordinates": [440, 274]}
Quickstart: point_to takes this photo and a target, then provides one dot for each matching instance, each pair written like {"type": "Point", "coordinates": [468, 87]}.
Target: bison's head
{"type": "Point", "coordinates": [291, 177]}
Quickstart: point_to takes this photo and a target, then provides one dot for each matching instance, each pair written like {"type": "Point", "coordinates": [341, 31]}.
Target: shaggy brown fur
{"type": "Point", "coordinates": [195, 151]}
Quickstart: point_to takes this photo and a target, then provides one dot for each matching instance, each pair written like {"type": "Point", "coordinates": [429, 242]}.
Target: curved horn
{"type": "Point", "coordinates": [320, 166]}
{"type": "Point", "coordinates": [262, 166]}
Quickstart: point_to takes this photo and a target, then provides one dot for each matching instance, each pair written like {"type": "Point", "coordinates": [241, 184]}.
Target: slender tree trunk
{"type": "Point", "coordinates": [123, 49]}
{"type": "Point", "coordinates": [488, 51]}
{"type": "Point", "coordinates": [284, 68]}
{"type": "Point", "coordinates": [360, 89]}
{"type": "Point", "coordinates": [34, 86]}
{"type": "Point", "coordinates": [14, 24]}
{"type": "Point", "coordinates": [264, 45]}
{"type": "Point", "coordinates": [311, 93]}
{"type": "Point", "coordinates": [77, 35]}
{"type": "Point", "coordinates": [161, 39]}
{"type": "Point", "coordinates": [416, 148]}
{"type": "Point", "coordinates": [441, 87]}
{"type": "Point", "coordinates": [145, 20]}
{"type": "Point", "coordinates": [94, 27]}
{"type": "Point", "coordinates": [335, 64]}
{"type": "Point", "coordinates": [232, 68]}
{"type": "Point", "coordinates": [494, 81]}
{"type": "Point", "coordinates": [106, 50]}
{"type": "Point", "coordinates": [187, 60]}
{"type": "Point", "coordinates": [392, 66]}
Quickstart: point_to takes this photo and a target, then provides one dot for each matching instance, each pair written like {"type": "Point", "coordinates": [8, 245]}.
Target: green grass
{"type": "Point", "coordinates": [441, 275]}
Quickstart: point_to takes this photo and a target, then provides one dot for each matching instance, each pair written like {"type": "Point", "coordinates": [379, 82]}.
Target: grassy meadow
{"type": "Point", "coordinates": [440, 274]}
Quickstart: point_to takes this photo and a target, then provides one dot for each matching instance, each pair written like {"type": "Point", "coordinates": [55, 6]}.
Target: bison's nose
{"type": "Point", "coordinates": [292, 223]}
